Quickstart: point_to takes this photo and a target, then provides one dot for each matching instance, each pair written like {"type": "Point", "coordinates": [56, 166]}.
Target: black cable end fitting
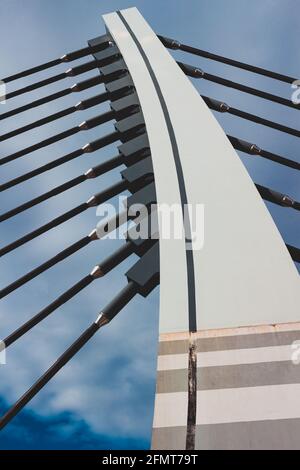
{"type": "Point", "coordinates": [294, 252]}
{"type": "Point", "coordinates": [93, 235]}
{"type": "Point", "coordinates": [102, 43]}
{"type": "Point", "coordinates": [90, 174]}
{"type": "Point", "coordinates": [102, 320]}
{"type": "Point", "coordinates": [97, 99]}
{"type": "Point", "coordinates": [224, 108]}
{"type": "Point", "coordinates": [96, 272]}
{"type": "Point", "coordinates": [74, 71]}
{"type": "Point", "coordinates": [287, 201]}
{"type": "Point", "coordinates": [75, 88]}
{"type": "Point", "coordinates": [64, 58]}
{"type": "Point", "coordinates": [88, 148]}
{"type": "Point", "coordinates": [244, 146]}
{"type": "Point", "coordinates": [170, 43]}
{"type": "Point", "coordinates": [191, 71]}
{"type": "Point", "coordinates": [117, 304]}
{"type": "Point", "coordinates": [216, 105]}
{"type": "Point", "coordinates": [255, 150]}
{"type": "Point", "coordinates": [277, 198]}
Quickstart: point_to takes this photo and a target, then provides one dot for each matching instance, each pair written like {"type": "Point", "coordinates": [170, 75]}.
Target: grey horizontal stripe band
{"type": "Point", "coordinates": [280, 434]}
{"type": "Point", "coordinates": [231, 342]}
{"type": "Point", "coordinates": [233, 376]}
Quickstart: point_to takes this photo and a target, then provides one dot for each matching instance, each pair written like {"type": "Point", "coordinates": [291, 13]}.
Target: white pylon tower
{"type": "Point", "coordinates": [229, 311]}
{"type": "Point", "coordinates": [229, 315]}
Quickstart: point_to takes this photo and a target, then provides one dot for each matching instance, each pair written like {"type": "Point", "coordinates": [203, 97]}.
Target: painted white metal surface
{"type": "Point", "coordinates": [244, 274]}
{"type": "Point", "coordinates": [172, 252]}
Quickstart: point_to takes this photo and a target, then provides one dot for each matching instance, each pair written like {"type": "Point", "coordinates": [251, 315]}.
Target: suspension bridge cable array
{"type": "Point", "coordinates": [72, 72]}
{"type": "Point", "coordinates": [98, 271]}
{"type": "Point", "coordinates": [85, 125]}
{"type": "Point", "coordinates": [111, 57]}
{"type": "Point", "coordinates": [277, 198]}
{"type": "Point", "coordinates": [69, 57]}
{"type": "Point", "coordinates": [92, 173]}
{"type": "Point", "coordinates": [96, 234]}
{"type": "Point", "coordinates": [94, 201]}
{"type": "Point", "coordinates": [174, 44]}
{"type": "Point", "coordinates": [107, 314]}
{"type": "Point", "coordinates": [86, 149]}
{"type": "Point", "coordinates": [222, 107]}
{"type": "Point", "coordinates": [253, 149]}
{"type": "Point", "coordinates": [77, 87]}
{"type": "Point", "coordinates": [195, 72]}
{"type": "Point", "coordinates": [81, 106]}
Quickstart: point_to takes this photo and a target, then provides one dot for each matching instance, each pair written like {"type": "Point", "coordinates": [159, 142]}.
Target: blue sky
{"type": "Point", "coordinates": [104, 397]}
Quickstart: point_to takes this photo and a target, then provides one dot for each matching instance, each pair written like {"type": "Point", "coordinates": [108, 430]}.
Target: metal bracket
{"type": "Point", "coordinates": [138, 170]}
{"type": "Point", "coordinates": [145, 273]}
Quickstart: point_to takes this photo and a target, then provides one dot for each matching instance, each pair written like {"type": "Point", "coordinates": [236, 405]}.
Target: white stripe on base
{"type": "Point", "coordinates": [243, 330]}
{"type": "Point", "coordinates": [230, 405]}
{"type": "Point", "coordinates": [227, 357]}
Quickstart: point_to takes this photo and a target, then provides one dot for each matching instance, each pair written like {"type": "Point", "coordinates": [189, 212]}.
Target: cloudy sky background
{"type": "Point", "coordinates": [104, 397]}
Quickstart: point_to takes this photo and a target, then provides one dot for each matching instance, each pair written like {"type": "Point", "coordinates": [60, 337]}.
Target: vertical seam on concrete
{"type": "Point", "coordinates": [192, 395]}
